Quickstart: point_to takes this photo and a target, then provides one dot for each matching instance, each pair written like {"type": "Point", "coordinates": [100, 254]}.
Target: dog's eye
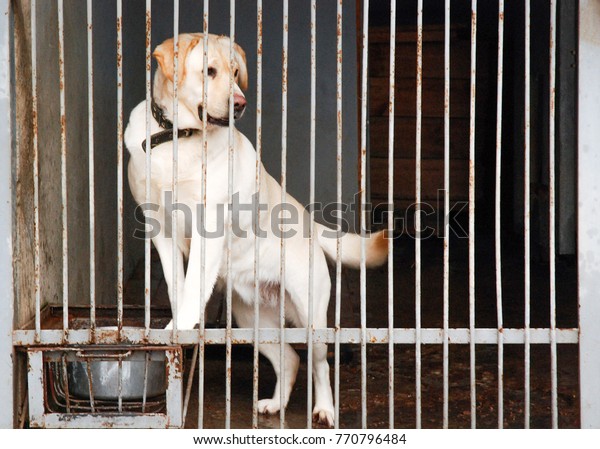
{"type": "Point", "coordinates": [212, 72]}
{"type": "Point", "coordinates": [236, 72]}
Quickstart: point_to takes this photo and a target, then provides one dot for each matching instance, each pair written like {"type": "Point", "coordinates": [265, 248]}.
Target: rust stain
{"type": "Point", "coordinates": [34, 117]}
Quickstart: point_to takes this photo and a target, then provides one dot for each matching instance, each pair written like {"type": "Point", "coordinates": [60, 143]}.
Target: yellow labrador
{"type": "Point", "coordinates": [187, 308]}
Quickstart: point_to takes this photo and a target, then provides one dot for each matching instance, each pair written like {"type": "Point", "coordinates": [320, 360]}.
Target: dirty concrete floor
{"type": "Point", "coordinates": [431, 357]}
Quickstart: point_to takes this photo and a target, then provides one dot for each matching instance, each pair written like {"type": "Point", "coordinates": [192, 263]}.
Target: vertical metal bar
{"type": "Point", "coordinates": [63, 169]}
{"type": "Point", "coordinates": [526, 212]}
{"type": "Point", "coordinates": [311, 250]}
{"type": "Point", "coordinates": [145, 393]}
{"type": "Point", "coordinates": [119, 166]}
{"type": "Point", "coordinates": [35, 383]}
{"type": "Point", "coordinates": [418, 214]}
{"type": "Point", "coordinates": [65, 381]}
{"type": "Point", "coordinates": [91, 174]}
{"type": "Point", "coordinates": [175, 173]}
{"type": "Point", "coordinates": [174, 387]}
{"type": "Point", "coordinates": [446, 256]}
{"type": "Point", "coordinates": [497, 215]}
{"type": "Point", "coordinates": [90, 385]}
{"type": "Point", "coordinates": [7, 222]}
{"type": "Point", "coordinates": [284, 81]}
{"type": "Point", "coordinates": [363, 224]}
{"type": "Point", "coordinates": [588, 184]}
{"type": "Point", "coordinates": [147, 240]}
{"type": "Point", "coordinates": [36, 177]}
{"type": "Point", "coordinates": [338, 258]}
{"type": "Point", "coordinates": [188, 386]}
{"type": "Point", "coordinates": [259, 31]}
{"type": "Point", "coordinates": [472, 214]}
{"type": "Point", "coordinates": [230, 219]}
{"type": "Point", "coordinates": [390, 217]}
{"type": "Point", "coordinates": [120, 385]}
{"type": "Point", "coordinates": [552, 216]}
{"type": "Point", "coordinates": [201, 325]}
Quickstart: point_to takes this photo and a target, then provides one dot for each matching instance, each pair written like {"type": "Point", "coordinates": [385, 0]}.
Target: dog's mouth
{"type": "Point", "coordinates": [219, 121]}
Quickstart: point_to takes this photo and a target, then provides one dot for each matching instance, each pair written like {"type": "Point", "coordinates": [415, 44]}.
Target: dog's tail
{"type": "Point", "coordinates": [376, 246]}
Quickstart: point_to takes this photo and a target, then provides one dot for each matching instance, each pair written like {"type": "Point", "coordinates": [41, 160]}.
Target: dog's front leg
{"type": "Point", "coordinates": [192, 304]}
{"type": "Point", "coordinates": [164, 246]}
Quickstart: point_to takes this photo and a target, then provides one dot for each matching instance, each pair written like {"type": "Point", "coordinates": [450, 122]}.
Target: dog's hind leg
{"type": "Point", "coordinates": [323, 410]}
{"type": "Point", "coordinates": [269, 318]}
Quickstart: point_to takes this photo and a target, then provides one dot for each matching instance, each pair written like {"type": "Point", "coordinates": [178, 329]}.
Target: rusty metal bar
{"type": "Point", "coordinates": [119, 165]}
{"type": "Point", "coordinates": [65, 381]}
{"type": "Point", "coordinates": [338, 257]}
{"type": "Point", "coordinates": [255, 371]}
{"type": "Point", "coordinates": [552, 215]}
{"type": "Point", "coordinates": [526, 213]}
{"type": "Point", "coordinates": [204, 152]}
{"type": "Point", "coordinates": [497, 215]}
{"type": "Point", "coordinates": [418, 213]}
{"type": "Point", "coordinates": [473, 86]}
{"type": "Point", "coordinates": [487, 336]}
{"type": "Point", "coordinates": [175, 172]}
{"type": "Point", "coordinates": [363, 201]}
{"type": "Point", "coordinates": [173, 398]}
{"type": "Point", "coordinates": [390, 217]}
{"type": "Point", "coordinates": [120, 384]}
{"type": "Point", "coordinates": [35, 382]}
{"type": "Point", "coordinates": [229, 292]}
{"type": "Point", "coordinates": [147, 240]}
{"type": "Point", "coordinates": [145, 392]}
{"type": "Point", "coordinates": [36, 178]}
{"type": "Point", "coordinates": [63, 167]}
{"type": "Point", "coordinates": [311, 235]}
{"type": "Point", "coordinates": [90, 384]}
{"type": "Point", "coordinates": [446, 256]}
{"type": "Point", "coordinates": [91, 166]}
{"type": "Point", "coordinates": [91, 421]}
{"type": "Point", "coordinates": [189, 383]}
{"type": "Point", "coordinates": [284, 84]}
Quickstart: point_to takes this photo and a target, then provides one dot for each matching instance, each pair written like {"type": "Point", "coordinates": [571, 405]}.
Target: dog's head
{"type": "Point", "coordinates": [190, 79]}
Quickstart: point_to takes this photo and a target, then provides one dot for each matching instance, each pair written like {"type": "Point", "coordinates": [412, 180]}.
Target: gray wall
{"type": "Point", "coordinates": [298, 81]}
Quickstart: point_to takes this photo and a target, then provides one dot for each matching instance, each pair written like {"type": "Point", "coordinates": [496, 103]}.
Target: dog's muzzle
{"type": "Point", "coordinates": [239, 106]}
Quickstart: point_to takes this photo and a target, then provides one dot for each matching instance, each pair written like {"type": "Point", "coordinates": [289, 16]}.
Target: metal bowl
{"type": "Point", "coordinates": [114, 374]}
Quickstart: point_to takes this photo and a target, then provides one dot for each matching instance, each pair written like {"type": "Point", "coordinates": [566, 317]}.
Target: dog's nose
{"type": "Point", "coordinates": [239, 105]}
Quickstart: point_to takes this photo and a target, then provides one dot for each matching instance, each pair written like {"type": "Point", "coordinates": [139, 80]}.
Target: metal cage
{"type": "Point", "coordinates": [39, 355]}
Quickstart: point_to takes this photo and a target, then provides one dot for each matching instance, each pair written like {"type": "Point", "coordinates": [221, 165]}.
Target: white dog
{"type": "Point", "coordinates": [187, 310]}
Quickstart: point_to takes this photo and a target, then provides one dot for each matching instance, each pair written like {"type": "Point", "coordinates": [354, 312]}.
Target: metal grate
{"type": "Point", "coordinates": [51, 350]}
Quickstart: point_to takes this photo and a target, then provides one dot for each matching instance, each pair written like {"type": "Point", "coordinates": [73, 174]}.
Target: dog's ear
{"type": "Point", "coordinates": [165, 55]}
{"type": "Point", "coordinates": [240, 57]}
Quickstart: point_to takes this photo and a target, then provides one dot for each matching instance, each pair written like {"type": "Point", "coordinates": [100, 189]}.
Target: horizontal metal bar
{"type": "Point", "coordinates": [295, 335]}
{"type": "Point", "coordinates": [93, 420]}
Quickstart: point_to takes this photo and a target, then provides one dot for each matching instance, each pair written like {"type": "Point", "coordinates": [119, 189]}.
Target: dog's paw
{"type": "Point", "coordinates": [268, 406]}
{"type": "Point", "coordinates": [323, 416]}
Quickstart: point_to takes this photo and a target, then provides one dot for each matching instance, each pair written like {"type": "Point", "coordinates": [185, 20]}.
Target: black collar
{"type": "Point", "coordinates": [167, 134]}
